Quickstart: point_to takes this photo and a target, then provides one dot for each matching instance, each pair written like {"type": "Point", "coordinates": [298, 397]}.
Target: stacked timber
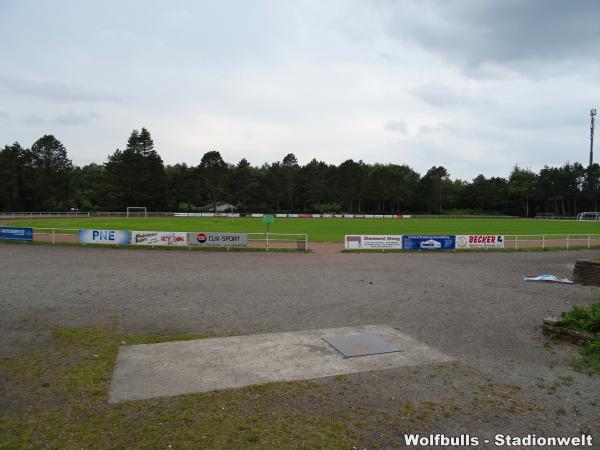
{"type": "Point", "coordinates": [587, 272]}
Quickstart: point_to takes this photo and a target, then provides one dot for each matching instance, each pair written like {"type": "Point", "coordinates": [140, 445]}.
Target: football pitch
{"type": "Point", "coordinates": [322, 229]}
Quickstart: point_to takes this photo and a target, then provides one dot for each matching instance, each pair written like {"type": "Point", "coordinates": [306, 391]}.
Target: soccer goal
{"type": "Point", "coordinates": [137, 211]}
{"type": "Point", "coordinates": [589, 215]}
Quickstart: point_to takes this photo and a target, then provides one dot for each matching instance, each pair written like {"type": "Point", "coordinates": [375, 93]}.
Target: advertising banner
{"type": "Point", "coordinates": [209, 239]}
{"type": "Point", "coordinates": [380, 241]}
{"type": "Point", "coordinates": [119, 237]}
{"type": "Point", "coordinates": [479, 241]}
{"type": "Point", "coordinates": [16, 233]}
{"type": "Point", "coordinates": [167, 238]}
{"type": "Point", "coordinates": [422, 242]}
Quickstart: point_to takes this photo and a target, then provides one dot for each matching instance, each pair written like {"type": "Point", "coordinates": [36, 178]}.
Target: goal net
{"type": "Point", "coordinates": [589, 215]}
{"type": "Point", "coordinates": [137, 211]}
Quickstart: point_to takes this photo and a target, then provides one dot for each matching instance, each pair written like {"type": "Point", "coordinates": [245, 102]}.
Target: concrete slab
{"type": "Point", "coordinates": [174, 368]}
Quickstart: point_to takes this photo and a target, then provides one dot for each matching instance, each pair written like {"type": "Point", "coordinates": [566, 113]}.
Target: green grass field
{"type": "Point", "coordinates": [326, 230]}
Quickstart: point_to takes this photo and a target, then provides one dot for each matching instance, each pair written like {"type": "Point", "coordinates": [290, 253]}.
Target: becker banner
{"type": "Point", "coordinates": [373, 241]}
{"type": "Point", "coordinates": [169, 238]}
{"type": "Point", "coordinates": [479, 241]}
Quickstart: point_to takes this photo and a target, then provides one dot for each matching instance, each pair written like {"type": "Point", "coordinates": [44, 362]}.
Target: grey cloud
{"type": "Point", "coordinates": [509, 78]}
{"type": "Point", "coordinates": [535, 120]}
{"type": "Point", "coordinates": [67, 119]}
{"type": "Point", "coordinates": [440, 94]}
{"type": "Point", "coordinates": [33, 119]}
{"type": "Point", "coordinates": [425, 130]}
{"type": "Point", "coordinates": [479, 32]}
{"type": "Point", "coordinates": [397, 126]}
{"type": "Point", "coordinates": [4, 115]}
{"type": "Point", "coordinates": [55, 91]}
{"type": "Point", "coordinates": [73, 118]}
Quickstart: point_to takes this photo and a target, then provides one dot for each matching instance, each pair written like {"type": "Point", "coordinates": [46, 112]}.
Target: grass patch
{"type": "Point", "coordinates": [582, 318]}
{"type": "Point", "coordinates": [57, 398]}
{"type": "Point", "coordinates": [325, 230]}
{"type": "Point", "coordinates": [589, 361]}
{"type": "Point", "coordinates": [586, 319]}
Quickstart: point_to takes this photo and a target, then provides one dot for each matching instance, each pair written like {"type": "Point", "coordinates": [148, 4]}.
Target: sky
{"type": "Point", "coordinates": [477, 86]}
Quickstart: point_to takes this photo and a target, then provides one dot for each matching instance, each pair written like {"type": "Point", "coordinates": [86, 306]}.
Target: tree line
{"type": "Point", "coordinates": [43, 178]}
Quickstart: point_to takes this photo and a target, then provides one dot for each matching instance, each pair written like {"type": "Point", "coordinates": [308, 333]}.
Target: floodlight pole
{"type": "Point", "coordinates": [592, 126]}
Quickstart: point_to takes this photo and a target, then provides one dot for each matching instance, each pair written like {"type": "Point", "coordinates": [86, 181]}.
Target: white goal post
{"type": "Point", "coordinates": [589, 215]}
{"type": "Point", "coordinates": [137, 211]}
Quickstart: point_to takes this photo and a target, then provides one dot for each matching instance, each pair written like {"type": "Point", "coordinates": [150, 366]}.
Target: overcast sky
{"type": "Point", "coordinates": [477, 86]}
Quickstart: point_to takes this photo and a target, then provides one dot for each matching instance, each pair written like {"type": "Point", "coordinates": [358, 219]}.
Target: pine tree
{"type": "Point", "coordinates": [52, 171]}
{"type": "Point", "coordinates": [137, 174]}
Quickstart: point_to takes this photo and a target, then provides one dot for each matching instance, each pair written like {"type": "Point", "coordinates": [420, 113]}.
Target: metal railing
{"type": "Point", "coordinates": [300, 239]}
{"type": "Point", "coordinates": [55, 234]}
{"type": "Point", "coordinates": [7, 215]}
{"type": "Point", "coordinates": [543, 241]}
{"type": "Point", "coordinates": [269, 240]}
{"type": "Point", "coordinates": [43, 215]}
{"type": "Point", "coordinates": [554, 217]}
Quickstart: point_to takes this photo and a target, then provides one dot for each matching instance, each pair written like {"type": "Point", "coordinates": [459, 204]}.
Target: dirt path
{"type": "Point", "coordinates": [471, 306]}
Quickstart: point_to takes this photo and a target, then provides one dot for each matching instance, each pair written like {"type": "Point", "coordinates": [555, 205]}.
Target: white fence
{"type": "Point", "coordinates": [12, 215]}
{"type": "Point", "coordinates": [268, 241]}
{"type": "Point", "coordinates": [43, 215]}
{"type": "Point", "coordinates": [567, 241]}
{"type": "Point", "coordinates": [276, 240]}
{"type": "Point", "coordinates": [538, 217]}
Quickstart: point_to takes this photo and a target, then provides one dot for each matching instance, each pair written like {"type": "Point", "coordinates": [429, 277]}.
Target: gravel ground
{"type": "Point", "coordinates": [472, 306]}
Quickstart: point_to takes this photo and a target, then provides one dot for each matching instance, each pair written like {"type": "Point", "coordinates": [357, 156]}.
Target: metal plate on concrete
{"type": "Point", "coordinates": [360, 344]}
{"type": "Point", "coordinates": [174, 368]}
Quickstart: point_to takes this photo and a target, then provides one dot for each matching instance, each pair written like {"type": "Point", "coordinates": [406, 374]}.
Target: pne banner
{"type": "Point", "coordinates": [420, 242]}
{"type": "Point", "coordinates": [115, 237]}
{"type": "Point", "coordinates": [16, 233]}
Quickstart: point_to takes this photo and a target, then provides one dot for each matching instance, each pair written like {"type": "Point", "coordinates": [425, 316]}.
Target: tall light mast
{"type": "Point", "coordinates": [592, 126]}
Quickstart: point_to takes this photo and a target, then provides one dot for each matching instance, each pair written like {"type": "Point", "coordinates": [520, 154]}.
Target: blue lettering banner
{"type": "Point", "coordinates": [420, 242]}
{"type": "Point", "coordinates": [16, 233]}
{"type": "Point", "coordinates": [119, 237]}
